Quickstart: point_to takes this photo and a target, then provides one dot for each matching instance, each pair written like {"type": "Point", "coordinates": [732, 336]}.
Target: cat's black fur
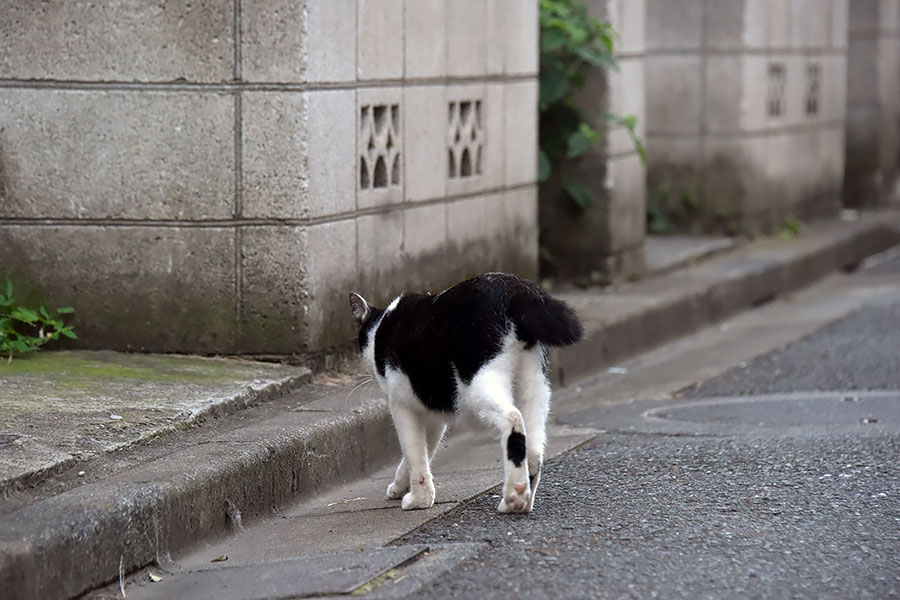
{"type": "Point", "coordinates": [434, 339]}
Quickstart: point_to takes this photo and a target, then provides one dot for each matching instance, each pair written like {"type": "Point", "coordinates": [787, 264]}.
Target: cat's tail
{"type": "Point", "coordinates": [540, 318]}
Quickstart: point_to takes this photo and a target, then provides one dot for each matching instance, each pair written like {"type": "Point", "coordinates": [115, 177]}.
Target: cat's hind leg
{"type": "Point", "coordinates": [533, 398]}
{"type": "Point", "coordinates": [489, 397]}
{"type": "Point", "coordinates": [400, 485]}
{"type": "Point", "coordinates": [410, 424]}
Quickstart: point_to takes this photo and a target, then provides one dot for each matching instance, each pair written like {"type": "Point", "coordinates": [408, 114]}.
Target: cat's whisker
{"type": "Point", "coordinates": [369, 391]}
{"type": "Point", "coordinates": [357, 386]}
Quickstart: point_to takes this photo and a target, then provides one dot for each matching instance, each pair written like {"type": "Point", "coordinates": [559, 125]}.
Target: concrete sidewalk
{"type": "Point", "coordinates": [67, 534]}
{"type": "Point", "coordinates": [60, 408]}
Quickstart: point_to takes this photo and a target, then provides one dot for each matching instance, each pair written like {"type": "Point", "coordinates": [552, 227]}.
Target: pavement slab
{"type": "Point", "coordinates": [59, 408]}
{"type": "Point", "coordinates": [663, 253]}
{"type": "Point", "coordinates": [336, 573]}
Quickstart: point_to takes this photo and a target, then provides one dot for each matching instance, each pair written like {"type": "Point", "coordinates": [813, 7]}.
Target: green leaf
{"type": "Point", "coordinates": [581, 141]}
{"type": "Point", "coordinates": [554, 84]}
{"type": "Point", "coordinates": [580, 193]}
{"type": "Point", "coordinates": [629, 122]}
{"type": "Point", "coordinates": [554, 7]}
{"type": "Point", "coordinates": [26, 315]}
{"type": "Point", "coordinates": [607, 37]}
{"type": "Point", "coordinates": [544, 166]}
{"type": "Point", "coordinates": [596, 57]}
{"type": "Point", "coordinates": [640, 149]}
{"type": "Point", "coordinates": [553, 39]}
{"type": "Point", "coordinates": [65, 310]}
{"type": "Point", "coordinates": [9, 289]}
{"type": "Point", "coordinates": [67, 331]}
{"type": "Point", "coordinates": [20, 346]}
{"type": "Point", "coordinates": [44, 312]}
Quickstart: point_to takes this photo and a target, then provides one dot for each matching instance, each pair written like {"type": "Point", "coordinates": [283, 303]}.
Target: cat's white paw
{"type": "Point", "coordinates": [413, 501]}
{"type": "Point", "coordinates": [420, 495]}
{"type": "Point", "coordinates": [516, 499]}
{"type": "Point", "coordinates": [396, 490]}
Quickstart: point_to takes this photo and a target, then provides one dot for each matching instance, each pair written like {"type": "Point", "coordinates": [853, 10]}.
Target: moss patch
{"type": "Point", "coordinates": [367, 588]}
{"type": "Point", "coordinates": [84, 365]}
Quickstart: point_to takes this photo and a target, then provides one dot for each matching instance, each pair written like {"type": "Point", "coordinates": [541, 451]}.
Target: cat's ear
{"type": "Point", "coordinates": [359, 306]}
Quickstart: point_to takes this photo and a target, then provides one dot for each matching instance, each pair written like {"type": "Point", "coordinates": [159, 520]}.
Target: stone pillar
{"type": "Point", "coordinates": [604, 243]}
{"type": "Point", "coordinates": [873, 103]}
{"type": "Point", "coordinates": [215, 176]}
{"type": "Point", "coordinates": [745, 112]}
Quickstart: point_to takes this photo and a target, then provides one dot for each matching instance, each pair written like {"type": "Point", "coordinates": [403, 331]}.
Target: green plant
{"type": "Point", "coordinates": [790, 228]}
{"type": "Point", "coordinates": [666, 214]}
{"type": "Point", "coordinates": [24, 330]}
{"type": "Point", "coordinates": [571, 43]}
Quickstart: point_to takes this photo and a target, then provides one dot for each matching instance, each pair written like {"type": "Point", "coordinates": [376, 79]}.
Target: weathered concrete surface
{"type": "Point", "coordinates": [61, 407]}
{"type": "Point", "coordinates": [663, 253]}
{"type": "Point", "coordinates": [623, 321]}
{"type": "Point", "coordinates": [873, 112]}
{"type": "Point", "coordinates": [141, 288]}
{"type": "Point", "coordinates": [104, 154]}
{"type": "Point", "coordinates": [153, 41]}
{"type": "Point", "coordinates": [199, 190]}
{"type": "Point", "coordinates": [339, 573]}
{"type": "Point", "coordinates": [191, 485]}
{"type": "Point", "coordinates": [765, 139]}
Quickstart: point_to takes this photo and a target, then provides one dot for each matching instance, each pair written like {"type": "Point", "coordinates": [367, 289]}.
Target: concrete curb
{"type": "Point", "coordinates": [52, 404]}
{"type": "Point", "coordinates": [68, 544]}
{"type": "Point", "coordinates": [635, 317]}
{"type": "Point", "coordinates": [73, 542]}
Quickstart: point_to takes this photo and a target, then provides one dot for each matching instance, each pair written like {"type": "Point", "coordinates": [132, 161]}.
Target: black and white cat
{"type": "Point", "coordinates": [477, 348]}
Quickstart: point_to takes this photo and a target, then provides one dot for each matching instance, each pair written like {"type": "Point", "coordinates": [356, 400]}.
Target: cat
{"type": "Point", "coordinates": [477, 348]}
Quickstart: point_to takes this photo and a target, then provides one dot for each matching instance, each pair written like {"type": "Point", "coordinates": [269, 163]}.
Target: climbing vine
{"type": "Point", "coordinates": [571, 43]}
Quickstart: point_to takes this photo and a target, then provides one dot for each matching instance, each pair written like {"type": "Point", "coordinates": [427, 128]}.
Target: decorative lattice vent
{"type": "Point", "coordinates": [775, 99]}
{"type": "Point", "coordinates": [379, 146]}
{"type": "Point", "coordinates": [465, 139]}
{"type": "Point", "coordinates": [813, 88]}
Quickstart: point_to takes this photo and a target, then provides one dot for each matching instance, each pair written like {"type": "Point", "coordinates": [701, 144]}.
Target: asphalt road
{"type": "Point", "coordinates": [795, 497]}
{"type": "Point", "coordinates": [859, 352]}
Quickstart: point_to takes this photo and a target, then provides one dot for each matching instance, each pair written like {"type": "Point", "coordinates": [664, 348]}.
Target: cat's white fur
{"type": "Point", "coordinates": [510, 392]}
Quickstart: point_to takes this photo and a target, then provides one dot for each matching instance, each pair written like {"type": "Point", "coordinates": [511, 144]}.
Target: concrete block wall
{"type": "Point", "coordinates": [746, 108]}
{"type": "Point", "coordinates": [214, 176]}
{"type": "Point", "coordinates": [873, 104]}
{"type": "Point", "coordinates": [606, 242]}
